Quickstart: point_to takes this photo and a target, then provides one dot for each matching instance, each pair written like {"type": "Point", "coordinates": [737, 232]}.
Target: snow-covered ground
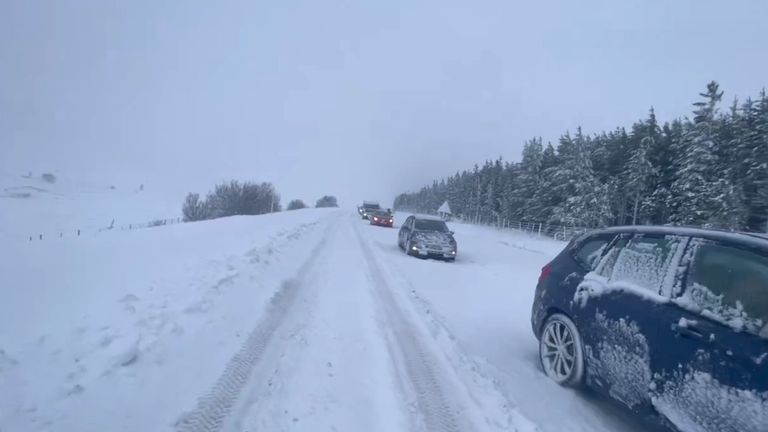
{"type": "Point", "coordinates": [306, 320]}
{"type": "Point", "coordinates": [30, 206]}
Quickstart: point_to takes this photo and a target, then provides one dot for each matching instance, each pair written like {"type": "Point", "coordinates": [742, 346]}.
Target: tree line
{"type": "Point", "coordinates": [710, 170]}
{"type": "Point", "coordinates": [236, 198]}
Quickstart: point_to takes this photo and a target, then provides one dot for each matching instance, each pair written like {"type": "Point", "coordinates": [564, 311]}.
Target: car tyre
{"type": "Point", "coordinates": [561, 351]}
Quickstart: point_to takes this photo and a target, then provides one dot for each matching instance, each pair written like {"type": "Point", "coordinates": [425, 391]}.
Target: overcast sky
{"type": "Point", "coordinates": [352, 98]}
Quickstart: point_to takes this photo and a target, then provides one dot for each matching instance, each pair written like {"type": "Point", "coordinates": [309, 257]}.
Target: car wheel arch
{"type": "Point", "coordinates": [551, 311]}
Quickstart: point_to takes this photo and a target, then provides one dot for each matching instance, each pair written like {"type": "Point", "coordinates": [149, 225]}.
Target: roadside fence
{"type": "Point", "coordinates": [78, 232]}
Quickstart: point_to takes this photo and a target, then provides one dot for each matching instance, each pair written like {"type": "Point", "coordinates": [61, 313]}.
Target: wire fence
{"type": "Point", "coordinates": [81, 232]}
{"type": "Point", "coordinates": [557, 232]}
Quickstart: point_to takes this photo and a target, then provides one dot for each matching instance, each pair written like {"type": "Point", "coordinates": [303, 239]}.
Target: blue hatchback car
{"type": "Point", "coordinates": [671, 322]}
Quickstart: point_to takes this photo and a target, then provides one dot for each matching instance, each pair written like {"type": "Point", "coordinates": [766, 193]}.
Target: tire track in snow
{"type": "Point", "coordinates": [438, 412]}
{"type": "Point", "coordinates": [213, 408]}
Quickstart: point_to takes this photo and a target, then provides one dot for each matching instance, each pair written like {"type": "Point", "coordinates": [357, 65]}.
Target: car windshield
{"type": "Point", "coordinates": [430, 225]}
{"type": "Point", "coordinates": [381, 214]}
{"type": "Point", "coordinates": [371, 206]}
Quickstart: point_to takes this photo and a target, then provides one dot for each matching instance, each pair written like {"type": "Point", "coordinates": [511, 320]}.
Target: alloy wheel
{"type": "Point", "coordinates": [560, 351]}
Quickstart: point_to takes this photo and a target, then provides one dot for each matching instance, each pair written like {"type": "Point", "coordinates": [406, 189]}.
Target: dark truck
{"type": "Point", "coordinates": [367, 208]}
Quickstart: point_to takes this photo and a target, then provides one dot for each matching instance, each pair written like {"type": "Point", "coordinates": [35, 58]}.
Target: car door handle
{"type": "Point", "coordinates": [688, 331]}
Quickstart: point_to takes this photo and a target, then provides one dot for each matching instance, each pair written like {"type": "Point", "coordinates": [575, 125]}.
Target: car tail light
{"type": "Point", "coordinates": [545, 271]}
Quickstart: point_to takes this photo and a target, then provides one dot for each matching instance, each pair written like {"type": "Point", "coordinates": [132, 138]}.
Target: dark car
{"type": "Point", "coordinates": [368, 207]}
{"type": "Point", "coordinates": [427, 237]}
{"type": "Point", "coordinates": [671, 322]}
{"type": "Point", "coordinates": [381, 218]}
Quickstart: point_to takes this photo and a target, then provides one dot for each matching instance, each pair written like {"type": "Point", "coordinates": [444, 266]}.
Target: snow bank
{"type": "Point", "coordinates": [86, 323]}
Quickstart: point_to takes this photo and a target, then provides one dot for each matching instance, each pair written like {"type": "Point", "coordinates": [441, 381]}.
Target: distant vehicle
{"type": "Point", "coordinates": [381, 218]}
{"type": "Point", "coordinates": [368, 207]}
{"type": "Point", "coordinates": [671, 322]}
{"type": "Point", "coordinates": [427, 237]}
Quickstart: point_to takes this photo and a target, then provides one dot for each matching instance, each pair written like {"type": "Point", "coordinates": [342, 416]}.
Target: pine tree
{"type": "Point", "coordinates": [756, 164]}
{"type": "Point", "coordinates": [639, 169]}
{"type": "Point", "coordinates": [585, 203]}
{"type": "Point", "coordinates": [530, 171]}
{"type": "Point", "coordinates": [613, 158]}
{"type": "Point", "coordinates": [693, 192]}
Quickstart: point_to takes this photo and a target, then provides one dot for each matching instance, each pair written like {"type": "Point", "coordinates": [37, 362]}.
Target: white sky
{"type": "Point", "coordinates": [351, 98]}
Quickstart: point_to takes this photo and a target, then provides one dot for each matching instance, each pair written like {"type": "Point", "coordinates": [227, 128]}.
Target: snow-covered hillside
{"type": "Point", "coordinates": [30, 205]}
{"type": "Point", "coordinates": [304, 320]}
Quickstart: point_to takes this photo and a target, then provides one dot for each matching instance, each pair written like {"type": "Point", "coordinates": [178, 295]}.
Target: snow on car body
{"type": "Point", "coordinates": [668, 321]}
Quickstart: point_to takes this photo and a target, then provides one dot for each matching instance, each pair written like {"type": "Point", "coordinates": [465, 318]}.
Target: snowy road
{"type": "Point", "coordinates": [301, 321]}
{"type": "Point", "coordinates": [338, 349]}
{"type": "Point", "coordinates": [362, 346]}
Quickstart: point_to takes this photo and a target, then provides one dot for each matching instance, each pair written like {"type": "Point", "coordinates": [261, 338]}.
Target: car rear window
{"type": "Point", "coordinates": [588, 252]}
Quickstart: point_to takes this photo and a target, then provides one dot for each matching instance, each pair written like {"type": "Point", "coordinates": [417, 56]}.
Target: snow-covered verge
{"type": "Point", "coordinates": [124, 330]}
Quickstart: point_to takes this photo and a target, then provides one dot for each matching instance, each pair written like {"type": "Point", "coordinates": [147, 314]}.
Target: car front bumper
{"type": "Point", "coordinates": [430, 252]}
